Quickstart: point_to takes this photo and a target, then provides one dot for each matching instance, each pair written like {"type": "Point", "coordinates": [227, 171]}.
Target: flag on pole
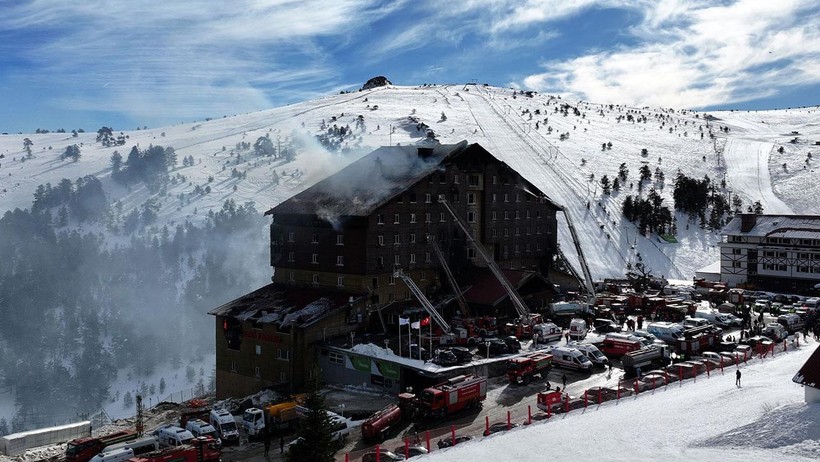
{"type": "Point", "coordinates": [416, 325]}
{"type": "Point", "coordinates": [403, 321]}
{"type": "Point", "coordinates": [425, 321]}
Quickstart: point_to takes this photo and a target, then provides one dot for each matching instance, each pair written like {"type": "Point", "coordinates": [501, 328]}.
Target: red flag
{"type": "Point", "coordinates": [425, 321]}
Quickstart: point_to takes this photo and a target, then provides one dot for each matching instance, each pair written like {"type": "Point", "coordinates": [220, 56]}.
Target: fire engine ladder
{"type": "Point", "coordinates": [424, 301]}
{"type": "Point", "coordinates": [519, 305]}
{"type": "Point", "coordinates": [584, 267]}
{"type": "Point", "coordinates": [462, 303]}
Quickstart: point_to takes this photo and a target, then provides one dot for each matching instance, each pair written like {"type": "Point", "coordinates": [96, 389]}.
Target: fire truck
{"type": "Point", "coordinates": [456, 394]}
{"type": "Point", "coordinates": [645, 359]}
{"type": "Point", "coordinates": [550, 401]}
{"type": "Point", "coordinates": [202, 449]}
{"type": "Point", "coordinates": [524, 368]}
{"type": "Point", "coordinates": [379, 425]}
{"type": "Point", "coordinates": [83, 449]}
{"type": "Point", "coordinates": [699, 339]}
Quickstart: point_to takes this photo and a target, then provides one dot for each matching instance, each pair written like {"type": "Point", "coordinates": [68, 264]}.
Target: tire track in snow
{"type": "Point", "coordinates": [747, 171]}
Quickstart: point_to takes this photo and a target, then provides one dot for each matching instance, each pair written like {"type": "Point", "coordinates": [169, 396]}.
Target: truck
{"type": "Point", "coordinates": [83, 449]}
{"type": "Point", "coordinates": [379, 425]}
{"type": "Point", "coordinates": [645, 359]}
{"type": "Point", "coordinates": [523, 368]}
{"type": "Point", "coordinates": [615, 347]}
{"type": "Point", "coordinates": [458, 393]}
{"type": "Point", "coordinates": [276, 416]}
{"type": "Point", "coordinates": [202, 449]}
{"type": "Point", "coordinates": [225, 426]}
{"type": "Point", "coordinates": [550, 401]}
{"type": "Point", "coordinates": [698, 339]}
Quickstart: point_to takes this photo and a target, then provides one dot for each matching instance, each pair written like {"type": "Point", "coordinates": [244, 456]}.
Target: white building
{"type": "Point", "coordinates": [809, 377]}
{"type": "Point", "coordinates": [775, 252]}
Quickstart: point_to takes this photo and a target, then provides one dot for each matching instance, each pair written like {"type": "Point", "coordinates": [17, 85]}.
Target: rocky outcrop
{"type": "Point", "coordinates": [379, 81]}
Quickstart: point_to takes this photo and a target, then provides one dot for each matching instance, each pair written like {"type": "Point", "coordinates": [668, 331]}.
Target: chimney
{"type": "Point", "coordinates": [425, 153]}
{"type": "Point", "coordinates": [747, 222]}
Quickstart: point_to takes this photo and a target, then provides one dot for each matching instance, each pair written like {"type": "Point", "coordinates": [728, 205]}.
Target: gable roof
{"type": "Point", "coordinates": [809, 374]}
{"type": "Point", "coordinates": [369, 182]}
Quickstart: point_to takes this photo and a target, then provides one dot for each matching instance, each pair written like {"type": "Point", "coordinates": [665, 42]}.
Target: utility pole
{"type": "Point", "coordinates": [140, 424]}
{"type": "Point", "coordinates": [390, 143]}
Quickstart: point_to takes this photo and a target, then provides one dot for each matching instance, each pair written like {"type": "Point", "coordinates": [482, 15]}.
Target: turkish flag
{"type": "Point", "coordinates": [425, 321]}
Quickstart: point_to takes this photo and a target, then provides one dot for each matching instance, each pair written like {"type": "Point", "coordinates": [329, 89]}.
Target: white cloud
{"type": "Point", "coordinates": [691, 54]}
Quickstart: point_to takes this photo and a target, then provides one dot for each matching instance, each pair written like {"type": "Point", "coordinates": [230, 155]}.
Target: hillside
{"type": "Point", "coordinates": [163, 253]}
{"type": "Point", "coordinates": [523, 131]}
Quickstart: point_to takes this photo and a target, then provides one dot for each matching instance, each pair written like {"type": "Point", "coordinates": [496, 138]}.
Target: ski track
{"type": "Point", "coordinates": [752, 180]}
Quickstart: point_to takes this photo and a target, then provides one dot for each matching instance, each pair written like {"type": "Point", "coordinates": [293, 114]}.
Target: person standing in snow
{"type": "Point", "coordinates": [564, 381]}
{"type": "Point", "coordinates": [737, 378]}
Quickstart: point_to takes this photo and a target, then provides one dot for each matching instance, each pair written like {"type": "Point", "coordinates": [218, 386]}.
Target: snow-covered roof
{"type": "Point", "coordinates": [784, 226]}
{"type": "Point", "coordinates": [809, 374]}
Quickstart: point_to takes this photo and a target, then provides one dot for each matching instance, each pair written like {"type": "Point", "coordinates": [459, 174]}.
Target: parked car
{"type": "Point", "coordinates": [735, 321]}
{"type": "Point", "coordinates": [500, 427]}
{"type": "Point", "coordinates": [711, 355]}
{"type": "Point", "coordinates": [756, 340]}
{"type": "Point", "coordinates": [602, 326]}
{"type": "Point", "coordinates": [494, 346]}
{"type": "Point", "coordinates": [412, 451]}
{"type": "Point", "coordinates": [445, 358]}
{"type": "Point", "coordinates": [448, 442]}
{"type": "Point", "coordinates": [383, 455]}
{"type": "Point", "coordinates": [646, 335]}
{"type": "Point", "coordinates": [513, 345]}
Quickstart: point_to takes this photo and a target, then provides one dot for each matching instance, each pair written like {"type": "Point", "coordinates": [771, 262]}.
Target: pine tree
{"type": "Point", "coordinates": [4, 427]}
{"type": "Point", "coordinates": [315, 441]}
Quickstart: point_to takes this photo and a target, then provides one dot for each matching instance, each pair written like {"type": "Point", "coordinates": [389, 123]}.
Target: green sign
{"type": "Point", "coordinates": [360, 363]}
{"type": "Point", "coordinates": [389, 370]}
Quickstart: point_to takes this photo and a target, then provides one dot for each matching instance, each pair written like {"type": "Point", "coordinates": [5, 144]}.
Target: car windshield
{"type": "Point", "coordinates": [228, 427]}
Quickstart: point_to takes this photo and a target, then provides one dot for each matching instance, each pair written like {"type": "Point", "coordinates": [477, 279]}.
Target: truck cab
{"type": "Point", "coordinates": [199, 427]}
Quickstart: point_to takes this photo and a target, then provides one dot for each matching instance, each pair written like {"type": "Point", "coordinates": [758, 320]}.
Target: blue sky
{"type": "Point", "coordinates": [158, 62]}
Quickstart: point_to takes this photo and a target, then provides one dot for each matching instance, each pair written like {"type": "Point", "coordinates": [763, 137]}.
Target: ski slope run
{"type": "Point", "coordinates": [747, 172]}
{"type": "Point", "coordinates": [608, 242]}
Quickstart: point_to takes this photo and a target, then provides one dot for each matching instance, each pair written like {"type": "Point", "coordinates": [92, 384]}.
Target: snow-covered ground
{"type": "Point", "coordinates": [763, 420]}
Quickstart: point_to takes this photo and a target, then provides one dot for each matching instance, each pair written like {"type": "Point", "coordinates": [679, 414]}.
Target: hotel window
{"type": "Point", "coordinates": [427, 257]}
{"type": "Point", "coordinates": [527, 230]}
{"type": "Point", "coordinates": [233, 366]}
{"type": "Point", "coordinates": [506, 197]}
{"type": "Point", "coordinates": [427, 217]}
{"type": "Point", "coordinates": [380, 262]}
{"type": "Point", "coordinates": [455, 197]}
{"type": "Point", "coordinates": [412, 258]}
{"type": "Point", "coordinates": [336, 358]}
{"type": "Point", "coordinates": [517, 197]}
{"type": "Point", "coordinates": [493, 232]}
{"type": "Point", "coordinates": [470, 217]}
{"type": "Point", "coordinates": [735, 251]}
{"type": "Point", "coordinates": [340, 260]}
{"type": "Point", "coordinates": [315, 279]}
{"type": "Point", "coordinates": [315, 239]}
{"type": "Point", "coordinates": [471, 253]}
{"type": "Point", "coordinates": [375, 283]}
{"type": "Point", "coordinates": [340, 281]}
{"type": "Point", "coordinates": [258, 349]}
{"type": "Point", "coordinates": [314, 258]}
{"type": "Point", "coordinates": [283, 377]}
{"type": "Point", "coordinates": [340, 239]}
{"type": "Point", "coordinates": [517, 231]}
{"type": "Point", "coordinates": [283, 354]}
{"type": "Point", "coordinates": [781, 267]}
{"type": "Point", "coordinates": [291, 277]}
{"type": "Point", "coordinates": [423, 276]}
{"type": "Point", "coordinates": [528, 214]}
{"type": "Point", "coordinates": [493, 198]}
{"type": "Point", "coordinates": [471, 198]}
{"type": "Point", "coordinates": [257, 372]}
{"type": "Point", "coordinates": [412, 218]}
{"type": "Point", "coordinates": [492, 215]}
{"type": "Point", "coordinates": [517, 215]}
{"type": "Point", "coordinates": [400, 199]}
{"type": "Point", "coordinates": [412, 238]}
{"type": "Point", "coordinates": [442, 178]}
{"type": "Point", "coordinates": [495, 179]}
{"type": "Point", "coordinates": [391, 280]}
{"type": "Point", "coordinates": [517, 249]}
{"type": "Point", "coordinates": [537, 214]}
{"type": "Point", "coordinates": [473, 180]}
{"type": "Point", "coordinates": [527, 248]}
{"type": "Point", "coordinates": [396, 219]}
{"type": "Point", "coordinates": [380, 239]}
{"type": "Point", "coordinates": [379, 219]}
{"type": "Point", "coordinates": [455, 179]}
{"type": "Point", "coordinates": [291, 256]}
{"type": "Point", "coordinates": [397, 239]}
{"type": "Point", "coordinates": [396, 260]}
{"type": "Point", "coordinates": [290, 236]}
{"type": "Point", "coordinates": [506, 215]}
{"type": "Point", "coordinates": [441, 217]}
{"type": "Point", "coordinates": [412, 198]}
{"type": "Point", "coordinates": [428, 198]}
{"type": "Point", "coordinates": [506, 232]}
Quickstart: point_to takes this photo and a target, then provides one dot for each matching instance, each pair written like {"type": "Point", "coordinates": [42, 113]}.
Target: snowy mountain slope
{"type": "Point", "coordinates": [568, 170]}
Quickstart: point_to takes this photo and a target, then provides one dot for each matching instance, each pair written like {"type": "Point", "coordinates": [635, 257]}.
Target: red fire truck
{"type": "Point", "coordinates": [445, 398]}
{"type": "Point", "coordinates": [377, 426]}
{"type": "Point", "coordinates": [202, 449]}
{"type": "Point", "coordinates": [83, 449]}
{"type": "Point", "coordinates": [524, 368]}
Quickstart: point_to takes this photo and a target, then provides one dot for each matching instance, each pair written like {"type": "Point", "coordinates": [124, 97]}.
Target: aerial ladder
{"type": "Point", "coordinates": [581, 259]}
{"type": "Point", "coordinates": [462, 303]}
{"type": "Point", "coordinates": [431, 310]}
{"type": "Point", "coordinates": [518, 303]}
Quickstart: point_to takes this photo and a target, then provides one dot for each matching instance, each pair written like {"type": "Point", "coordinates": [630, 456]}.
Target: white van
{"type": "Point", "coordinates": [199, 427]}
{"type": "Point", "coordinates": [591, 352]}
{"type": "Point", "coordinates": [172, 436]}
{"type": "Point", "coordinates": [547, 332]}
{"type": "Point", "coordinates": [139, 447]}
{"type": "Point", "coordinates": [114, 455]}
{"type": "Point", "coordinates": [570, 358]}
{"type": "Point", "coordinates": [225, 425]}
{"type": "Point", "coordinates": [691, 323]}
{"type": "Point", "coordinates": [340, 426]}
{"type": "Point", "coordinates": [669, 332]}
{"type": "Point", "coordinates": [578, 329]}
